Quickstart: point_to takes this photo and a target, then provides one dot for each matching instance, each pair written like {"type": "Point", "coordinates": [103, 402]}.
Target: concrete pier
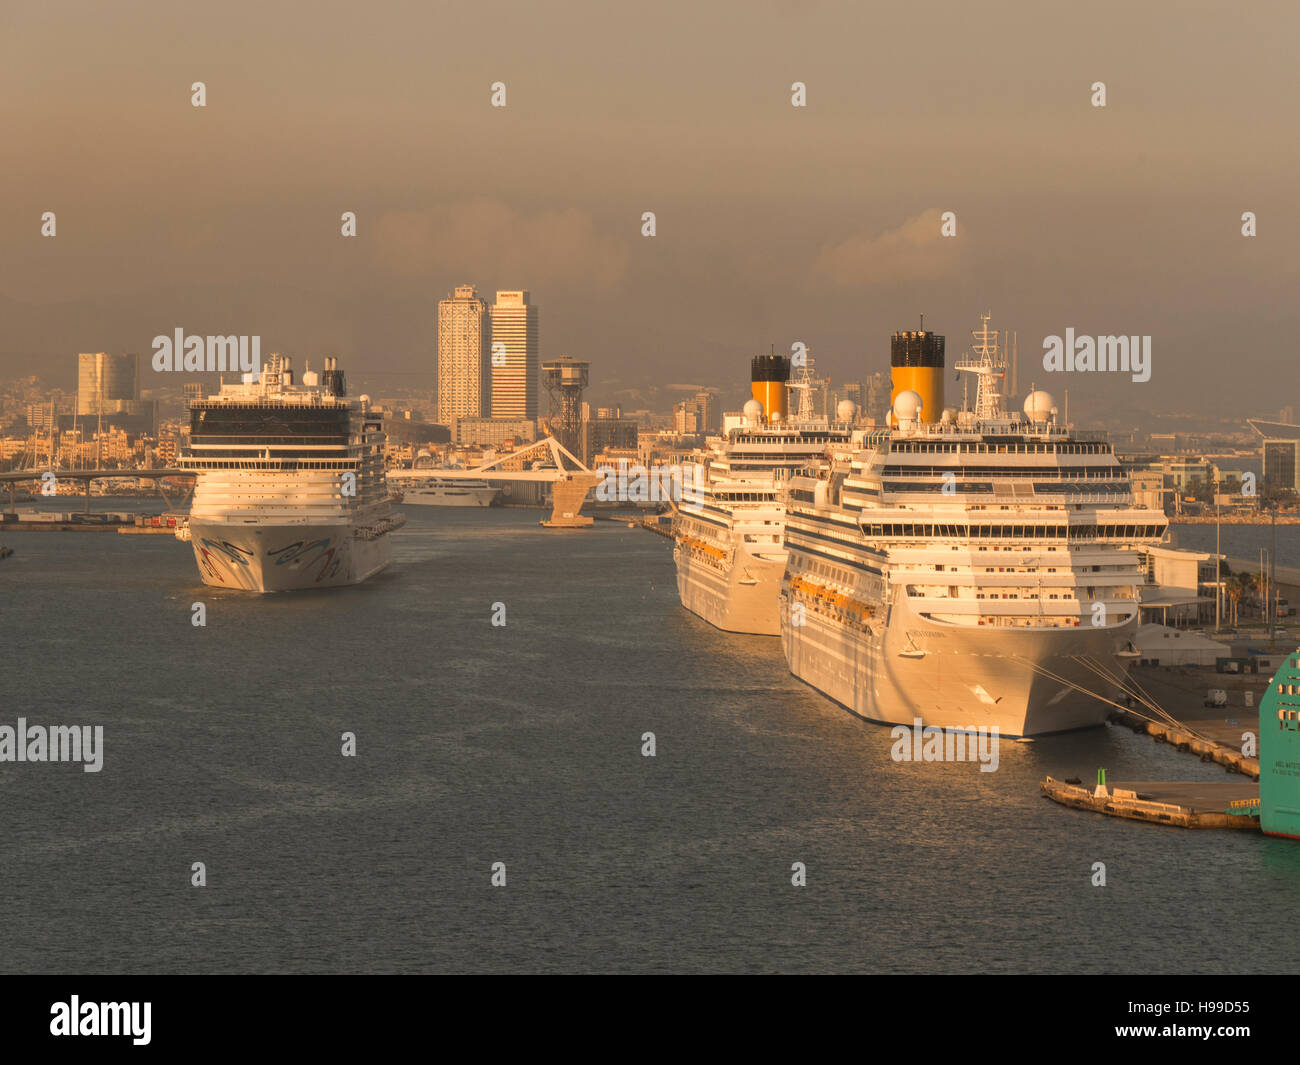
{"type": "Point", "coordinates": [1182, 805]}
{"type": "Point", "coordinates": [1214, 740]}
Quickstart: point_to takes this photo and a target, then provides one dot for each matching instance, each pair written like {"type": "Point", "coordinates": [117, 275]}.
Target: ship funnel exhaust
{"type": "Point", "coordinates": [769, 376]}
{"type": "Point", "coordinates": [332, 379]}
{"type": "Point", "coordinates": [916, 365]}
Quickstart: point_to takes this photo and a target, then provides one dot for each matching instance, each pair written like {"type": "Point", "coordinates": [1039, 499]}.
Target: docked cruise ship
{"type": "Point", "coordinates": [730, 523]}
{"type": "Point", "coordinates": [972, 569]}
{"type": "Point", "coordinates": [289, 488]}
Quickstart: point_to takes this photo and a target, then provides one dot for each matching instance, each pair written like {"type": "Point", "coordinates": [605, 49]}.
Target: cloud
{"type": "Point", "coordinates": [915, 251]}
{"type": "Point", "coordinates": [487, 238]}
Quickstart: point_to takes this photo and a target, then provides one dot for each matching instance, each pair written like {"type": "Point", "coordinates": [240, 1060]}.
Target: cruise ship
{"type": "Point", "coordinates": [972, 570]}
{"type": "Point", "coordinates": [428, 488]}
{"type": "Point", "coordinates": [730, 523]}
{"type": "Point", "coordinates": [289, 483]}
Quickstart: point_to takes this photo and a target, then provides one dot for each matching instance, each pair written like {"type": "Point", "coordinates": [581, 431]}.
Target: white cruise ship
{"type": "Point", "coordinates": [289, 488]}
{"type": "Point", "coordinates": [427, 488]}
{"type": "Point", "coordinates": [975, 571]}
{"type": "Point", "coordinates": [729, 526]}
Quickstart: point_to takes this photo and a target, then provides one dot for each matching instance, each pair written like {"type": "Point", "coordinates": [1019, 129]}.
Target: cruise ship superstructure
{"type": "Point", "coordinates": [289, 488]}
{"type": "Point", "coordinates": [729, 526]}
{"type": "Point", "coordinates": [974, 570]}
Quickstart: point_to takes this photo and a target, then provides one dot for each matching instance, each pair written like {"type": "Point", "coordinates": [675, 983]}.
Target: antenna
{"type": "Point", "coordinates": [922, 322]}
{"type": "Point", "coordinates": [987, 361]}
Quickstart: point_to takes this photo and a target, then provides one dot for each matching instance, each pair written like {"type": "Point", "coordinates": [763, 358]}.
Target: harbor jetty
{"type": "Point", "coordinates": [1217, 804]}
{"type": "Point", "coordinates": [1271, 805]}
{"type": "Point", "coordinates": [97, 521]}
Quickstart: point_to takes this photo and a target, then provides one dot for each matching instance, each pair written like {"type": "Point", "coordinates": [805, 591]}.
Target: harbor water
{"type": "Point", "coordinates": [522, 744]}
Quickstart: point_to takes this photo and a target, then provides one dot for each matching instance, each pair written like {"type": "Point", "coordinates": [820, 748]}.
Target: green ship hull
{"type": "Point", "coordinates": [1279, 752]}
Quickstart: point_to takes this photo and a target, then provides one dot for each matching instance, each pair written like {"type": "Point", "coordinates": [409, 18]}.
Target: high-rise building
{"type": "Point", "coordinates": [1282, 464]}
{"type": "Point", "coordinates": [707, 404]}
{"type": "Point", "coordinates": [108, 389]}
{"type": "Point", "coordinates": [603, 433]}
{"type": "Point", "coordinates": [40, 415]}
{"type": "Point", "coordinates": [876, 400]}
{"type": "Point", "coordinates": [104, 381]}
{"type": "Point", "coordinates": [463, 356]}
{"type": "Point", "coordinates": [514, 356]}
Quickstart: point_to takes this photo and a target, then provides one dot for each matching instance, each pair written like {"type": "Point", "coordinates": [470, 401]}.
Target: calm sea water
{"type": "Point", "coordinates": [1243, 541]}
{"type": "Point", "coordinates": [521, 745]}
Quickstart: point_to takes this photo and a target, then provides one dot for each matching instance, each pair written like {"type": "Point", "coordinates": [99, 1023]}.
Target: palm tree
{"type": "Point", "coordinates": [1238, 588]}
{"type": "Point", "coordinates": [1232, 592]}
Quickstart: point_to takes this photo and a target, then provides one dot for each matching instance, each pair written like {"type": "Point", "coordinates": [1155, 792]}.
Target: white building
{"type": "Point", "coordinates": [463, 357]}
{"type": "Point", "coordinates": [1157, 644]}
{"type": "Point", "coordinates": [1179, 586]}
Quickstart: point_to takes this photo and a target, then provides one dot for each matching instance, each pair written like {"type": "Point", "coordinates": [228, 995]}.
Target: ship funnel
{"type": "Point", "coordinates": [768, 378]}
{"type": "Point", "coordinates": [916, 365]}
{"type": "Point", "coordinates": [332, 379]}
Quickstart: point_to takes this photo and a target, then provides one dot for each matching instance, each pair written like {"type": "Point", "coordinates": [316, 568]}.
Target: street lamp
{"type": "Point", "coordinates": [1218, 564]}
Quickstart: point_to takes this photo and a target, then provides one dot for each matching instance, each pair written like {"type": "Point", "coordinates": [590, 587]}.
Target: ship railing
{"type": "Point", "coordinates": [1031, 430]}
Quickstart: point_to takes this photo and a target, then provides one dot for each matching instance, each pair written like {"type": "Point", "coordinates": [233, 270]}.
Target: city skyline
{"type": "Point", "coordinates": [773, 224]}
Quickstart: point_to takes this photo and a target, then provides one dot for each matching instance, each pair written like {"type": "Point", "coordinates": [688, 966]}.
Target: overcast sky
{"type": "Point", "coordinates": [775, 224]}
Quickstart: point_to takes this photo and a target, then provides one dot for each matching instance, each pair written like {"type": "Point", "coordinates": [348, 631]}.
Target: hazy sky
{"type": "Point", "coordinates": [775, 224]}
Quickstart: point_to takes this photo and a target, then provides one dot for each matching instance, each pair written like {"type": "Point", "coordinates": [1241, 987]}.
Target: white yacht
{"type": "Point", "coordinates": [429, 488]}
{"type": "Point", "coordinates": [977, 570]}
{"type": "Point", "coordinates": [289, 489]}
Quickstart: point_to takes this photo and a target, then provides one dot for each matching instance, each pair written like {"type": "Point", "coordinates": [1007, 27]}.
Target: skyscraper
{"type": "Point", "coordinates": [707, 403]}
{"type": "Point", "coordinates": [108, 389]}
{"type": "Point", "coordinates": [513, 356]}
{"type": "Point", "coordinates": [463, 381]}
{"type": "Point", "coordinates": [105, 381]}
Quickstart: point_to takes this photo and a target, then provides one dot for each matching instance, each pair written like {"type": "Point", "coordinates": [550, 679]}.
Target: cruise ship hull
{"type": "Point", "coordinates": [1025, 681]}
{"type": "Point", "coordinates": [283, 558]}
{"type": "Point", "coordinates": [734, 597]}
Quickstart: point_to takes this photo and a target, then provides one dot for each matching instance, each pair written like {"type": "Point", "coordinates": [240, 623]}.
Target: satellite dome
{"type": "Point", "coordinates": [949, 415]}
{"type": "Point", "coordinates": [907, 405]}
{"type": "Point", "coordinates": [753, 410]}
{"type": "Point", "coordinates": [846, 410]}
{"type": "Point", "coordinates": [1039, 406]}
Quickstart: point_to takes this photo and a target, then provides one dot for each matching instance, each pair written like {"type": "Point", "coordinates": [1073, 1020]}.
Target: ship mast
{"type": "Point", "coordinates": [987, 360]}
{"type": "Point", "coordinates": [804, 384]}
